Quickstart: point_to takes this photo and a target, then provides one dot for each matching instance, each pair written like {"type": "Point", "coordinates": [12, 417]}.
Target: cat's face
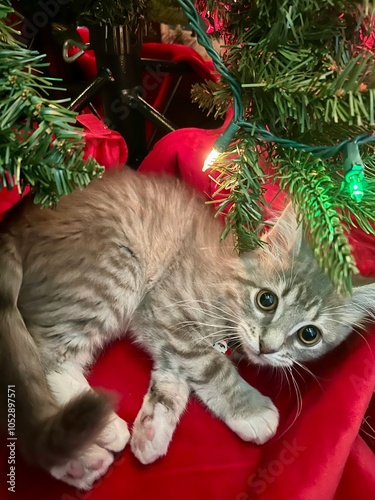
{"type": "Point", "coordinates": [293, 314]}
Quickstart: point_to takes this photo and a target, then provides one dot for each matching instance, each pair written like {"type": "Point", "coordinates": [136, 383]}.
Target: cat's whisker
{"type": "Point", "coordinates": [276, 267]}
{"type": "Point", "coordinates": [198, 302]}
{"type": "Point", "coordinates": [298, 394]}
{"type": "Point", "coordinates": [230, 314]}
{"type": "Point", "coordinates": [284, 371]}
{"type": "Point", "coordinates": [365, 340]}
{"type": "Point", "coordinates": [213, 315]}
{"type": "Point", "coordinates": [307, 370]}
{"type": "Point", "coordinates": [293, 278]}
{"type": "Point", "coordinates": [372, 436]}
{"type": "Point", "coordinates": [219, 330]}
{"type": "Point", "coordinates": [218, 334]}
{"type": "Point", "coordinates": [350, 324]}
{"type": "Point", "coordinates": [332, 308]}
{"type": "Point", "coordinates": [341, 311]}
{"type": "Point", "coordinates": [236, 346]}
{"type": "Point", "coordinates": [224, 315]}
{"type": "Point", "coordinates": [298, 398]}
{"type": "Point", "coordinates": [281, 374]}
{"type": "Point", "coordinates": [199, 323]}
{"type": "Point", "coordinates": [197, 320]}
{"type": "Point", "coordinates": [290, 283]}
{"type": "Point", "coordinates": [293, 275]}
{"type": "Point", "coordinates": [284, 276]}
{"type": "Point", "coordinates": [357, 326]}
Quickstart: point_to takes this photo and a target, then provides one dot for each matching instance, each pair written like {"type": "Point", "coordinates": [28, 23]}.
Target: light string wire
{"type": "Point", "coordinates": [237, 121]}
{"type": "Point", "coordinates": [204, 40]}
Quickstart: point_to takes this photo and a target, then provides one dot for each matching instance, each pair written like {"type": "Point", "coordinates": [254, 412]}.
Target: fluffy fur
{"type": "Point", "coordinates": [143, 254]}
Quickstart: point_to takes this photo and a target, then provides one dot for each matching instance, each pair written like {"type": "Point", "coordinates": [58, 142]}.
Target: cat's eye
{"type": "Point", "coordinates": [266, 300]}
{"type": "Point", "coordinates": [309, 335]}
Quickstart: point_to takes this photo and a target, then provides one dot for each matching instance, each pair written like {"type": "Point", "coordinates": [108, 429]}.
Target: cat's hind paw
{"type": "Point", "coordinates": [82, 472]}
{"type": "Point", "coordinates": [92, 464]}
{"type": "Point", "coordinates": [258, 427]}
{"type": "Point", "coordinates": [152, 434]}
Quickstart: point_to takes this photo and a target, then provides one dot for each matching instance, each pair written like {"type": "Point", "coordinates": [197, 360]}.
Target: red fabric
{"type": "Point", "coordinates": [8, 198]}
{"type": "Point", "coordinates": [107, 146]}
{"type": "Point", "coordinates": [321, 455]}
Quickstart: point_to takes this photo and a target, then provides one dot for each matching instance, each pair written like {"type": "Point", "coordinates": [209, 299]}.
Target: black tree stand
{"type": "Point", "coordinates": [118, 48]}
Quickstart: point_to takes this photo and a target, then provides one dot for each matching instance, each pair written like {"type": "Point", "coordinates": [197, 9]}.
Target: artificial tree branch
{"type": "Point", "coordinates": [40, 145]}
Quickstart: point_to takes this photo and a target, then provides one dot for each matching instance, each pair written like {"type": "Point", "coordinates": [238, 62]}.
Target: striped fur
{"type": "Point", "coordinates": [144, 253]}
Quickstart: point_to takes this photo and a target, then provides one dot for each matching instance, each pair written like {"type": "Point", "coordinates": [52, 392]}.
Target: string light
{"type": "Point", "coordinates": [354, 174]}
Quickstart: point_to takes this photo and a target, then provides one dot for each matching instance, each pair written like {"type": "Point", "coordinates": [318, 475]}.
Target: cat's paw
{"type": "Point", "coordinates": [115, 435]}
{"type": "Point", "coordinates": [83, 471]}
{"type": "Point", "coordinates": [258, 427]}
{"type": "Point", "coordinates": [152, 434]}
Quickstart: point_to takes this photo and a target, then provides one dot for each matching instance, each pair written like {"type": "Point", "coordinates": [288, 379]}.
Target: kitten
{"type": "Point", "coordinates": [144, 253]}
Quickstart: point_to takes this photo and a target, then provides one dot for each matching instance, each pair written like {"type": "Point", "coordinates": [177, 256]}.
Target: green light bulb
{"type": "Point", "coordinates": [354, 182]}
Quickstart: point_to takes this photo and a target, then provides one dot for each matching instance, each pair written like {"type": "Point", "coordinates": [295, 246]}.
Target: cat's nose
{"type": "Point", "coordinates": [264, 348]}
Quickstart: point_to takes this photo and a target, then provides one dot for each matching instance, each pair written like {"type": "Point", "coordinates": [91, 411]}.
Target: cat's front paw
{"type": "Point", "coordinates": [152, 434]}
{"type": "Point", "coordinates": [115, 435]}
{"type": "Point", "coordinates": [258, 427]}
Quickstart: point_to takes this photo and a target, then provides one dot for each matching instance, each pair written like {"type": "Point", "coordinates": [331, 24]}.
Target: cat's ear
{"type": "Point", "coordinates": [363, 298]}
{"type": "Point", "coordinates": [286, 235]}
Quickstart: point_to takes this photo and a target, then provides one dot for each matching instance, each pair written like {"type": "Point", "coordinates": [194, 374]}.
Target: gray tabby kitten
{"type": "Point", "coordinates": [144, 253]}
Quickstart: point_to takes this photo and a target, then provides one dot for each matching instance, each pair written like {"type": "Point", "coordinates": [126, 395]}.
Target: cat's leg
{"type": "Point", "coordinates": [69, 381]}
{"type": "Point", "coordinates": [65, 383]}
{"type": "Point", "coordinates": [156, 421]}
{"type": "Point", "coordinates": [252, 416]}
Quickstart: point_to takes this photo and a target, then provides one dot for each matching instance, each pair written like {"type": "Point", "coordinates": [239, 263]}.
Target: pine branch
{"type": "Point", "coordinates": [240, 192]}
{"type": "Point", "coordinates": [213, 97]}
{"type": "Point", "coordinates": [301, 68]}
{"type": "Point", "coordinates": [320, 206]}
{"type": "Point", "coordinates": [40, 145]}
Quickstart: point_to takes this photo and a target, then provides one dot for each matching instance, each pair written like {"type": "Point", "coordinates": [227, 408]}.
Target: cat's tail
{"type": "Point", "coordinates": [47, 434]}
